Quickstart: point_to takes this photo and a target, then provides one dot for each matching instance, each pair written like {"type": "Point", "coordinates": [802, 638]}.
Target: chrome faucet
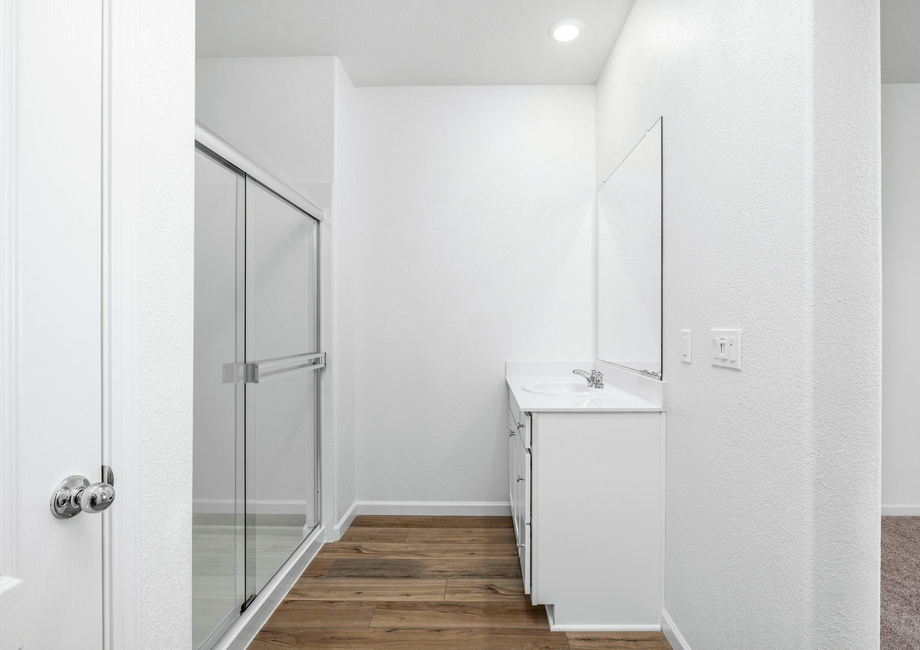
{"type": "Point", "coordinates": [594, 378]}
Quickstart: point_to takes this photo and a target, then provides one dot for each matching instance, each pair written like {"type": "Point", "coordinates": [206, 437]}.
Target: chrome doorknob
{"type": "Point", "coordinates": [97, 497]}
{"type": "Point", "coordinates": [75, 495]}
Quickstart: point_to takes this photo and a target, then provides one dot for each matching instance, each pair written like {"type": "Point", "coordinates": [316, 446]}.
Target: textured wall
{"type": "Point", "coordinates": [771, 472]}
{"type": "Point", "coordinates": [165, 275]}
{"type": "Point", "coordinates": [844, 379]}
{"type": "Point", "coordinates": [901, 230]}
{"type": "Point", "coordinates": [473, 245]}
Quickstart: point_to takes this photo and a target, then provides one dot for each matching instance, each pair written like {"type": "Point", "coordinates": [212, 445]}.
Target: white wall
{"type": "Point", "coordinates": [771, 224]}
{"type": "Point", "coordinates": [277, 110]}
{"type": "Point", "coordinates": [472, 244]}
{"type": "Point", "coordinates": [165, 335]}
{"type": "Point", "coordinates": [342, 366]}
{"type": "Point", "coordinates": [901, 269]}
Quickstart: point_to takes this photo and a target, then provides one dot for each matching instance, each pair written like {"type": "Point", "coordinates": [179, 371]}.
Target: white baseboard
{"type": "Point", "coordinates": [339, 529]}
{"type": "Point", "coordinates": [901, 511]}
{"type": "Point", "coordinates": [435, 508]}
{"type": "Point", "coordinates": [244, 630]}
{"type": "Point", "coordinates": [430, 508]}
{"type": "Point", "coordinates": [672, 634]}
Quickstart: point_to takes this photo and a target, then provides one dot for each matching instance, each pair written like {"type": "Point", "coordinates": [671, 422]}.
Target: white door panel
{"type": "Point", "coordinates": [59, 315]}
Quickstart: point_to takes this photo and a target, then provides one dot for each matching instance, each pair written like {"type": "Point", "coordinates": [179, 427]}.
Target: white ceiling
{"type": "Point", "coordinates": [900, 41]}
{"type": "Point", "coordinates": [420, 42]}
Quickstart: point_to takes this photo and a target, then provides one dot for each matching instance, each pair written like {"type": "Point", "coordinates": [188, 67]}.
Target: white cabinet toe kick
{"type": "Point", "coordinates": [586, 494]}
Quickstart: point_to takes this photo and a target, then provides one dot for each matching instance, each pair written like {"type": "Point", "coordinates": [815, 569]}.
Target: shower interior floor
{"type": "Point", "coordinates": [219, 546]}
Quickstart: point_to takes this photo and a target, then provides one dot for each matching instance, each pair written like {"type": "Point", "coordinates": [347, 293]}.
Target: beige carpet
{"type": "Point", "coordinates": [900, 583]}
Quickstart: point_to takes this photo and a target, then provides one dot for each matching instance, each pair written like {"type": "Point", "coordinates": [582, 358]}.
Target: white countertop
{"type": "Point", "coordinates": [616, 400]}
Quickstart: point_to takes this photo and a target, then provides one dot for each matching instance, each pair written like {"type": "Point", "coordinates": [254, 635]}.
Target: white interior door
{"type": "Point", "coordinates": [58, 269]}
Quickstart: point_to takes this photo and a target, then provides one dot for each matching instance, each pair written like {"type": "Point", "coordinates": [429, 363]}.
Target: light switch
{"type": "Point", "coordinates": [685, 346]}
{"type": "Point", "coordinates": [726, 348]}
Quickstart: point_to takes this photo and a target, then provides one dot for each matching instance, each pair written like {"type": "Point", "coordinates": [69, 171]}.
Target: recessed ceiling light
{"type": "Point", "coordinates": [566, 29]}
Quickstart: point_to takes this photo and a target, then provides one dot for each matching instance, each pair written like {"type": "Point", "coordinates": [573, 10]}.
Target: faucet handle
{"type": "Point", "coordinates": [598, 378]}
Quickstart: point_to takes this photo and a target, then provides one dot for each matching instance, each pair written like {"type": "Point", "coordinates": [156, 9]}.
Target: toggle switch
{"type": "Point", "coordinates": [726, 348]}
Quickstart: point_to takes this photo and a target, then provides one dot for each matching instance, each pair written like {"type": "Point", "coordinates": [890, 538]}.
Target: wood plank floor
{"type": "Point", "coordinates": [424, 583]}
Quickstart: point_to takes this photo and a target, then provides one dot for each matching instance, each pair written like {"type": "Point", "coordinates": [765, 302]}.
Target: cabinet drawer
{"type": "Point", "coordinates": [520, 423]}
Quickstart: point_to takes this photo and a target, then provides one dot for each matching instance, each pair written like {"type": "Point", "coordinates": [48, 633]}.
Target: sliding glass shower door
{"type": "Point", "coordinates": [256, 488]}
{"type": "Point", "coordinates": [218, 527]}
{"type": "Point", "coordinates": [281, 332]}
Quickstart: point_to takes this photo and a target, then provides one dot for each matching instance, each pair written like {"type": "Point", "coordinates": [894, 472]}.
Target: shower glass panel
{"type": "Point", "coordinates": [281, 327]}
{"type": "Point", "coordinates": [218, 543]}
{"type": "Point", "coordinates": [280, 477]}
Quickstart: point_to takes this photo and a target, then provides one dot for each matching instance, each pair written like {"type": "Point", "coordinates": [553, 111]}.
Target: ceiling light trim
{"type": "Point", "coordinates": [566, 30]}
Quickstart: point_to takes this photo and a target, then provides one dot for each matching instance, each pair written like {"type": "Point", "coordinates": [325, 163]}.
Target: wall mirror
{"type": "Point", "coordinates": [629, 245]}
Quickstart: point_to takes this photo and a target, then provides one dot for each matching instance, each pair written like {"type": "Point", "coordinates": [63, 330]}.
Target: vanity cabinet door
{"type": "Point", "coordinates": [512, 474]}
{"type": "Point", "coordinates": [522, 515]}
{"type": "Point", "coordinates": [599, 472]}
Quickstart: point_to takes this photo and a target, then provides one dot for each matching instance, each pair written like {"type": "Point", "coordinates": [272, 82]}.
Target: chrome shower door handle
{"type": "Point", "coordinates": [256, 372]}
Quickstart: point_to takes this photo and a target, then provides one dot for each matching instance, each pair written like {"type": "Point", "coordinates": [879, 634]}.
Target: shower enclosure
{"type": "Point", "coordinates": [257, 362]}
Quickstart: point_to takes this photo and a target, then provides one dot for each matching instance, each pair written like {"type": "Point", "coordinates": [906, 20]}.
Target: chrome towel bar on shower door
{"type": "Point", "coordinates": [258, 371]}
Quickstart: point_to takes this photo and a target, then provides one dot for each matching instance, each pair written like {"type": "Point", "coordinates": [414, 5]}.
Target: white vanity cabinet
{"type": "Point", "coordinates": [586, 491]}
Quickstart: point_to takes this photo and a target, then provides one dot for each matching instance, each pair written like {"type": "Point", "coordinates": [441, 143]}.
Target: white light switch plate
{"type": "Point", "coordinates": [685, 347]}
{"type": "Point", "coordinates": [725, 348]}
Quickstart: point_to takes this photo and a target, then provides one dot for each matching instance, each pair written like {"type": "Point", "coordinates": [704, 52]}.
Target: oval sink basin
{"type": "Point", "coordinates": [565, 389]}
